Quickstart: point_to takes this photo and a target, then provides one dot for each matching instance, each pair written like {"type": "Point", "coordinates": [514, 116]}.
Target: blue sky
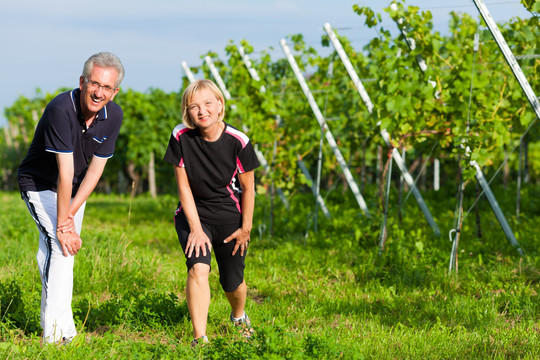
{"type": "Point", "coordinates": [45, 43]}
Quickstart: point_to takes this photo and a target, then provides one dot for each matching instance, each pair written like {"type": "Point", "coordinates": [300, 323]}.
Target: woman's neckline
{"type": "Point", "coordinates": [219, 133]}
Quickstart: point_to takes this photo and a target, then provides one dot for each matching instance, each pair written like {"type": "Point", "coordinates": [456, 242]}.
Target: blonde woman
{"type": "Point", "coordinates": [214, 166]}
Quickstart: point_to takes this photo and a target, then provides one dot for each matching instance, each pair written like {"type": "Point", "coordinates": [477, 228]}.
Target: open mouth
{"type": "Point", "coordinates": [96, 99]}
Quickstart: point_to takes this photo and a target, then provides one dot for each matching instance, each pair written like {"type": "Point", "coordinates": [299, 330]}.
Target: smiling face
{"type": "Point", "coordinates": [205, 109]}
{"type": "Point", "coordinates": [97, 89]}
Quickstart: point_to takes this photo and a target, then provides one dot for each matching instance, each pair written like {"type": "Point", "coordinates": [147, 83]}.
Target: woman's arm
{"type": "Point", "coordinates": [242, 235]}
{"type": "Point", "coordinates": [197, 237]}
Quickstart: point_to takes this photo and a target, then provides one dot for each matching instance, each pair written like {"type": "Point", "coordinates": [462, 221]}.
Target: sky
{"type": "Point", "coordinates": [45, 43]}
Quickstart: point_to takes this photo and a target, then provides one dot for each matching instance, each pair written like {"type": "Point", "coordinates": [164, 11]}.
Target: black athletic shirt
{"type": "Point", "coordinates": [62, 129]}
{"type": "Point", "coordinates": [212, 169]}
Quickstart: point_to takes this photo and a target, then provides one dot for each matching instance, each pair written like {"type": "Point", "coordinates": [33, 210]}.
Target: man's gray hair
{"type": "Point", "coordinates": [104, 59]}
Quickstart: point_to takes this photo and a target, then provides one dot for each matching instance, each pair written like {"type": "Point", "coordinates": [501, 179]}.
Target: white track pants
{"type": "Point", "coordinates": [56, 270]}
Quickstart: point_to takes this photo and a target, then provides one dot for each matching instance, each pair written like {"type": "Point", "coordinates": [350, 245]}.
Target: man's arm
{"type": "Point", "coordinates": [70, 241]}
{"type": "Point", "coordinates": [66, 225]}
{"type": "Point", "coordinates": [91, 179]}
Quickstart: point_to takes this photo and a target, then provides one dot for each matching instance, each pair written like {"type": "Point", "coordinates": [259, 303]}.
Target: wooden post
{"type": "Point", "coordinates": [152, 176]}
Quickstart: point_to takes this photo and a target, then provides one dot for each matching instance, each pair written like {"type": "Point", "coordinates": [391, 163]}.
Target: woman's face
{"type": "Point", "coordinates": [204, 109]}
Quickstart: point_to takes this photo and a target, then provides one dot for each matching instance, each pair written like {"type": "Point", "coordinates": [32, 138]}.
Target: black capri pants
{"type": "Point", "coordinates": [231, 268]}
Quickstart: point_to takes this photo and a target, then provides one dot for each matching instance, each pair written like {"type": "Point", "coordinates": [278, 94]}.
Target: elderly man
{"type": "Point", "coordinates": [73, 140]}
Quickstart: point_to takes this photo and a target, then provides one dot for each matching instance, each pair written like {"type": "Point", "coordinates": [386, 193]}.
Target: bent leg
{"type": "Point", "coordinates": [237, 299]}
{"type": "Point", "coordinates": [55, 269]}
{"type": "Point", "coordinates": [239, 318]}
{"type": "Point", "coordinates": [57, 289]}
{"type": "Point", "coordinates": [198, 298]}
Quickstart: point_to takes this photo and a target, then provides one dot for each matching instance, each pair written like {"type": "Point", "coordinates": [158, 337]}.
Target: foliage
{"type": "Point", "coordinates": [149, 119]}
{"type": "Point", "coordinates": [464, 98]}
{"type": "Point", "coordinates": [22, 117]}
{"type": "Point", "coordinates": [471, 102]}
{"type": "Point", "coordinates": [531, 5]}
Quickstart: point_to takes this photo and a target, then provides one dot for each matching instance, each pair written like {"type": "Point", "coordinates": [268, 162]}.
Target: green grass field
{"type": "Point", "coordinates": [326, 296]}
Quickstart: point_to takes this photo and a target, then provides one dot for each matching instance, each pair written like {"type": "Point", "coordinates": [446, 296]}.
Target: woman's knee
{"type": "Point", "coordinates": [199, 272]}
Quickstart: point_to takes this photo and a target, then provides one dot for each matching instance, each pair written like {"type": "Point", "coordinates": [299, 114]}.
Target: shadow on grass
{"type": "Point", "coordinates": [19, 310]}
{"type": "Point", "coordinates": [138, 311]}
{"type": "Point", "coordinates": [418, 312]}
{"type": "Point", "coordinates": [424, 298]}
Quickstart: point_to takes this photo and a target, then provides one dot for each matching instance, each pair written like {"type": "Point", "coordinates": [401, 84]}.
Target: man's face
{"type": "Point", "coordinates": [97, 90]}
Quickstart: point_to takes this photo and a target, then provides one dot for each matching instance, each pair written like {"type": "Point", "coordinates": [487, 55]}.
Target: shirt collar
{"type": "Point", "coordinates": [76, 101]}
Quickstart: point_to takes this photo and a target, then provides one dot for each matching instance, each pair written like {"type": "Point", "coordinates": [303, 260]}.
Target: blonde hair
{"type": "Point", "coordinates": [194, 87]}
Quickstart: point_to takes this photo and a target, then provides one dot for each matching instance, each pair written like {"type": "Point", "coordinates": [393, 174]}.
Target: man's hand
{"type": "Point", "coordinates": [67, 226]}
{"type": "Point", "coordinates": [71, 242]}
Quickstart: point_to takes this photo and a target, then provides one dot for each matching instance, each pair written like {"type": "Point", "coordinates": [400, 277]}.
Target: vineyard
{"type": "Point", "coordinates": [402, 139]}
{"type": "Point", "coordinates": [462, 104]}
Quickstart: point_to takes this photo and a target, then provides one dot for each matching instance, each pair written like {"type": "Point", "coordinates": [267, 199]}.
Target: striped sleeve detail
{"type": "Point", "coordinates": [103, 156]}
{"type": "Point", "coordinates": [240, 136]}
{"type": "Point", "coordinates": [179, 130]}
{"type": "Point", "coordinates": [59, 151]}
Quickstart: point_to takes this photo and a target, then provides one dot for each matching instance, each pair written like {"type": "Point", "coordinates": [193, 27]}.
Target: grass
{"type": "Point", "coordinates": [326, 296]}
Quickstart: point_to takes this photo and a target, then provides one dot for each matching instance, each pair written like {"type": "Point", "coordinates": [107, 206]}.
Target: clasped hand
{"type": "Point", "coordinates": [66, 234]}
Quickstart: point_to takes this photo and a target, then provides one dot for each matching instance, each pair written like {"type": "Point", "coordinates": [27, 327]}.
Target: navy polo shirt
{"type": "Point", "coordinates": [62, 129]}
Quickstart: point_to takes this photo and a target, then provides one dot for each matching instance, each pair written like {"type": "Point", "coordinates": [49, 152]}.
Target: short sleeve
{"type": "Point", "coordinates": [57, 130]}
{"type": "Point", "coordinates": [247, 159]}
{"type": "Point", "coordinates": [173, 155]}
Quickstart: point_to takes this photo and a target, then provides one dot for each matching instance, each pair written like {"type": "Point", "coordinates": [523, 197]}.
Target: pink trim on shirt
{"type": "Point", "coordinates": [235, 199]}
{"type": "Point", "coordinates": [238, 135]}
{"type": "Point", "coordinates": [179, 130]}
{"type": "Point", "coordinates": [239, 166]}
{"type": "Point", "coordinates": [176, 212]}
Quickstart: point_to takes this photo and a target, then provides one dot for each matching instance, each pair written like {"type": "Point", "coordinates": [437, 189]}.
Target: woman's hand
{"type": "Point", "coordinates": [196, 242]}
{"type": "Point", "coordinates": [242, 240]}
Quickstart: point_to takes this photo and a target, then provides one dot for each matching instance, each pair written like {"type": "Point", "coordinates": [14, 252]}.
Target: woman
{"type": "Point", "coordinates": [213, 163]}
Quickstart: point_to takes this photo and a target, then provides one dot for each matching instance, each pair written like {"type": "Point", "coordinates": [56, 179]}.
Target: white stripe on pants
{"type": "Point", "coordinates": [56, 270]}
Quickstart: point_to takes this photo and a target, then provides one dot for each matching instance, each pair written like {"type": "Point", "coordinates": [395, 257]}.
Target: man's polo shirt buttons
{"type": "Point", "coordinates": [83, 130]}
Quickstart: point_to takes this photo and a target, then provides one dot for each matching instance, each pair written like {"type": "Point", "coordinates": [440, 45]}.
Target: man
{"type": "Point", "coordinates": [73, 140]}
